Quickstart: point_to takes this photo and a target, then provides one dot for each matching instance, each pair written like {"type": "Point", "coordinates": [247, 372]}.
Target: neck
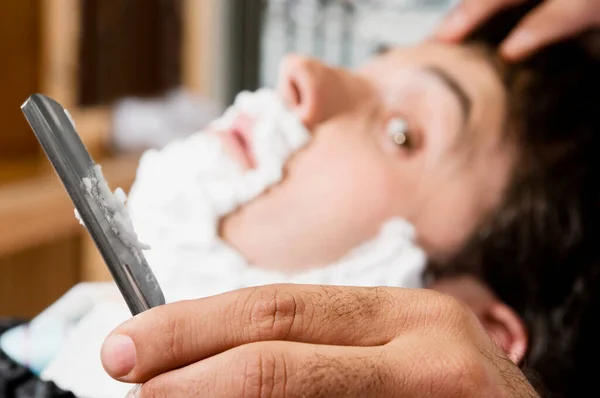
{"type": "Point", "coordinates": [289, 245]}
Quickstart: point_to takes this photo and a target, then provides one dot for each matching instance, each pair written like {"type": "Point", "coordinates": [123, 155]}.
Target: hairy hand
{"type": "Point", "coordinates": [551, 21]}
{"type": "Point", "coordinates": [312, 341]}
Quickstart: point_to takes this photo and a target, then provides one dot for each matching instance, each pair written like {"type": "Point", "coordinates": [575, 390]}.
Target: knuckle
{"type": "Point", "coordinates": [436, 310]}
{"type": "Point", "coordinates": [273, 313]}
{"type": "Point", "coordinates": [432, 305]}
{"type": "Point", "coordinates": [174, 337]}
{"type": "Point", "coordinates": [262, 374]}
{"type": "Point", "coordinates": [453, 373]}
{"type": "Point", "coordinates": [352, 376]}
{"type": "Point", "coordinates": [468, 374]}
{"type": "Point", "coordinates": [450, 308]}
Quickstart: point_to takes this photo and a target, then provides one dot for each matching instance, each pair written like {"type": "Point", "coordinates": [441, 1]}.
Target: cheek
{"type": "Point", "coordinates": [448, 225]}
{"type": "Point", "coordinates": [452, 213]}
{"type": "Point", "coordinates": [347, 181]}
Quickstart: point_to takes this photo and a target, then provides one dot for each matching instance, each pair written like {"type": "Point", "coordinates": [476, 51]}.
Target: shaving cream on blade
{"type": "Point", "coordinates": [113, 206]}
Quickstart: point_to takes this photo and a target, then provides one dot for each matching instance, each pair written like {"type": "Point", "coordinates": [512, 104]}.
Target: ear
{"type": "Point", "coordinates": [507, 330]}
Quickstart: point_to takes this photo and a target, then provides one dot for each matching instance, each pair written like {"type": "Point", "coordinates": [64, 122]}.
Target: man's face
{"type": "Point", "coordinates": [353, 176]}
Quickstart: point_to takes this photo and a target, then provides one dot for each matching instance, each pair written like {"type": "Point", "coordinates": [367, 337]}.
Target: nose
{"type": "Point", "coordinates": [316, 92]}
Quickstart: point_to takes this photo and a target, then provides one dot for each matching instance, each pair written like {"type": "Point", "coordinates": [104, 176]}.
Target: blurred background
{"type": "Point", "coordinates": [136, 74]}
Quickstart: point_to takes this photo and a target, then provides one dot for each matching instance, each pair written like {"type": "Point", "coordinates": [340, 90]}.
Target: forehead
{"type": "Point", "coordinates": [468, 66]}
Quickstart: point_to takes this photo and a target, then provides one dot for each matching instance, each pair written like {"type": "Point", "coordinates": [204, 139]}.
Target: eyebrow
{"type": "Point", "coordinates": [466, 104]}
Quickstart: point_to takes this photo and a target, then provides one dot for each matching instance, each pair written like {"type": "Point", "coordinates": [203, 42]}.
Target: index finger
{"type": "Point", "coordinates": [174, 335]}
{"type": "Point", "coordinates": [550, 22]}
{"type": "Point", "coordinates": [467, 16]}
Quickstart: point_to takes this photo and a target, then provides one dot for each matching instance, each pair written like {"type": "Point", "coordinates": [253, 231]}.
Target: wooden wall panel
{"type": "Point", "coordinates": [128, 48]}
{"type": "Point", "coordinates": [60, 35]}
{"type": "Point", "coordinates": [33, 279]}
{"type": "Point", "coordinates": [197, 45]}
{"type": "Point", "coordinates": [20, 48]}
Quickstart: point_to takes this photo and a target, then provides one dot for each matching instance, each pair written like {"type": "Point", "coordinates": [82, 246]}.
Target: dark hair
{"type": "Point", "coordinates": [540, 251]}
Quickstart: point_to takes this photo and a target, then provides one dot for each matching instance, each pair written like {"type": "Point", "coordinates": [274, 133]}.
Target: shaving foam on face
{"type": "Point", "coordinates": [276, 134]}
{"type": "Point", "coordinates": [183, 189]}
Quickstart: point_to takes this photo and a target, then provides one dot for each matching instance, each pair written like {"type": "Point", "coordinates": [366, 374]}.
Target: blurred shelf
{"type": "Point", "coordinates": [37, 210]}
{"type": "Point", "coordinates": [18, 169]}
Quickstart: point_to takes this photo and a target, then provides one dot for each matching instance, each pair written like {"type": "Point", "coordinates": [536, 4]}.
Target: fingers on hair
{"type": "Point", "coordinates": [549, 22]}
{"type": "Point", "coordinates": [468, 15]}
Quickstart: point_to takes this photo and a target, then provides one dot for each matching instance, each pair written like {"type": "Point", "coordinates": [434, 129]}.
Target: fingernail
{"type": "Point", "coordinates": [118, 355]}
{"type": "Point", "coordinates": [520, 43]}
{"type": "Point", "coordinates": [134, 392]}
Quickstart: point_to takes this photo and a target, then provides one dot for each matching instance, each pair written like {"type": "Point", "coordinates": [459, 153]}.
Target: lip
{"type": "Point", "coordinates": [238, 141]}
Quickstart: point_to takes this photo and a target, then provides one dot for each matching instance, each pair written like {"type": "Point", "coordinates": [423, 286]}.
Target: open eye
{"type": "Point", "coordinates": [398, 131]}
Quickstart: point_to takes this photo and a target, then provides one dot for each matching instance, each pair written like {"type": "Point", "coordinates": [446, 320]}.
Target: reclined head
{"type": "Point", "coordinates": [536, 251]}
{"type": "Point", "coordinates": [417, 133]}
{"type": "Point", "coordinates": [494, 164]}
{"type": "Point", "coordinates": [473, 127]}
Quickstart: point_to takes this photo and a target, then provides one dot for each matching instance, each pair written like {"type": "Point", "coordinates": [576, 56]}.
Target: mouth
{"type": "Point", "coordinates": [238, 141]}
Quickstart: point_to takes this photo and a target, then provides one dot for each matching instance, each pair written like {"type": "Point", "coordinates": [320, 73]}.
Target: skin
{"type": "Point", "coordinates": [310, 341]}
{"type": "Point", "coordinates": [352, 177]}
{"type": "Point", "coordinates": [402, 342]}
{"type": "Point", "coordinates": [271, 341]}
{"type": "Point", "coordinates": [501, 322]}
{"type": "Point", "coordinates": [550, 22]}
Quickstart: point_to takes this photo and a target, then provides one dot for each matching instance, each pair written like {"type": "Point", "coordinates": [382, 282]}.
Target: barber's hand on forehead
{"type": "Point", "coordinates": [309, 341]}
{"type": "Point", "coordinates": [551, 21]}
